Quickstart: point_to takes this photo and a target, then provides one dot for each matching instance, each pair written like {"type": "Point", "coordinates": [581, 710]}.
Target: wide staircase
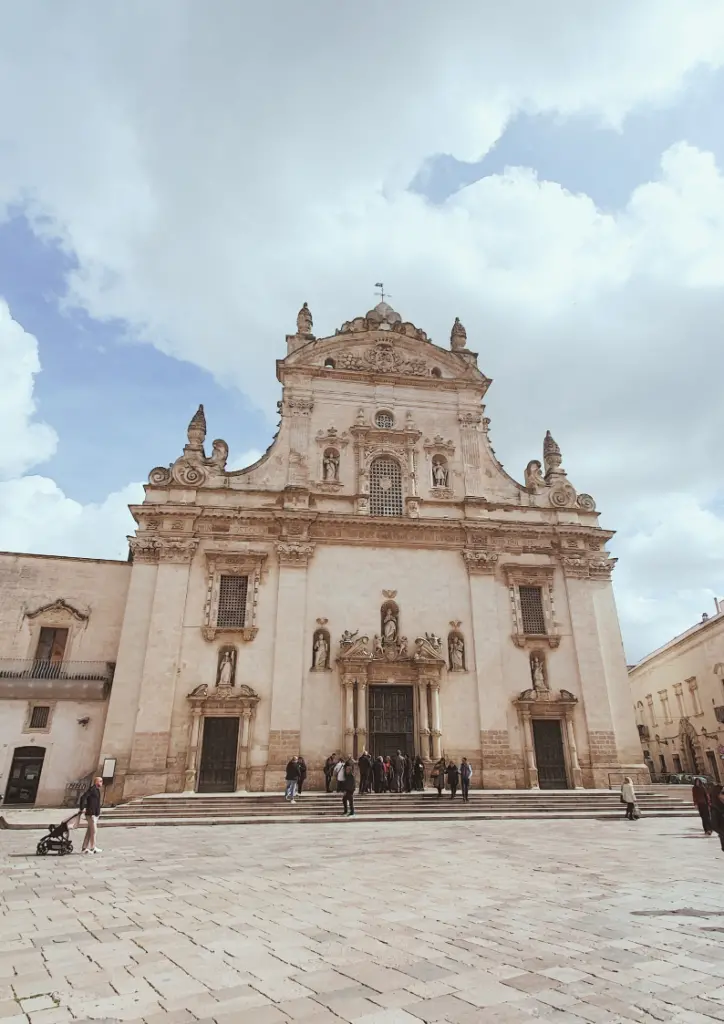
{"type": "Point", "coordinates": [257, 808]}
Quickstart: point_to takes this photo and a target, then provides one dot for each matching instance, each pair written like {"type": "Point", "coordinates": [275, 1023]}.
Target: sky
{"type": "Point", "coordinates": [176, 181]}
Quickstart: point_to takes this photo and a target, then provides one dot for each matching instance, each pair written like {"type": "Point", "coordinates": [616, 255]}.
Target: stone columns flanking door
{"type": "Point", "coordinates": [544, 705]}
{"type": "Point", "coordinates": [222, 702]}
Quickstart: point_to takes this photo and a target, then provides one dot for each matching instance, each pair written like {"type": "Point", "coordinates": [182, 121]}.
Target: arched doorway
{"type": "Point", "coordinates": [22, 787]}
{"type": "Point", "coordinates": [690, 747]}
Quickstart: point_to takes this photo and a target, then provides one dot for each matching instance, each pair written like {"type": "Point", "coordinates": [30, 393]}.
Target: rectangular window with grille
{"type": "Point", "coordinates": [39, 717]}
{"type": "Point", "coordinates": [531, 607]}
{"type": "Point", "coordinates": [232, 602]}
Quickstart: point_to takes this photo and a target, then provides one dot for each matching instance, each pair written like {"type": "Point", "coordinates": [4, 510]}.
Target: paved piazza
{"type": "Point", "coordinates": [368, 923]}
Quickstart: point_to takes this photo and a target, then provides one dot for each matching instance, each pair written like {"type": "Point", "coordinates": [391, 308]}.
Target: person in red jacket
{"type": "Point", "coordinates": [700, 796]}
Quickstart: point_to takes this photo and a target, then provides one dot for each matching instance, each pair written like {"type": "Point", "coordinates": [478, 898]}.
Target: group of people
{"type": "Point", "coordinates": [295, 777]}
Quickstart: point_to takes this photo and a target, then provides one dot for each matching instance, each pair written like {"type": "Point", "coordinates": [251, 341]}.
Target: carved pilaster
{"type": "Point", "coordinates": [144, 550]}
{"type": "Point", "coordinates": [480, 562]}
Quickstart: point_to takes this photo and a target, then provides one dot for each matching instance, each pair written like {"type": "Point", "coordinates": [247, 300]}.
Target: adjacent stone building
{"type": "Point", "coordinates": [375, 580]}
{"type": "Point", "coordinates": [678, 695]}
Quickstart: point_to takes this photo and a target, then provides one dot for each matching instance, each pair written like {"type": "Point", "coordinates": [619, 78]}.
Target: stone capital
{"type": "Point", "coordinates": [144, 550]}
{"type": "Point", "coordinates": [480, 562]}
{"type": "Point", "coordinates": [180, 550]}
{"type": "Point", "coordinates": [295, 554]}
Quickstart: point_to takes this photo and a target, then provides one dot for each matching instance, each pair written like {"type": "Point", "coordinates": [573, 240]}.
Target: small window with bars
{"type": "Point", "coordinates": [232, 602]}
{"type": "Point", "coordinates": [531, 607]}
{"type": "Point", "coordinates": [385, 488]}
{"type": "Point", "coordinates": [39, 717]}
{"type": "Point", "coordinates": [385, 420]}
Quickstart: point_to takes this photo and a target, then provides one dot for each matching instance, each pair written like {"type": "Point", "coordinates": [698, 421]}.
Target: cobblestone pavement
{"type": "Point", "coordinates": [367, 923]}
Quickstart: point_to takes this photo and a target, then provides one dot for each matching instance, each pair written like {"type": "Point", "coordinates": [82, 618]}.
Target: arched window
{"type": "Point", "coordinates": [385, 487]}
{"type": "Point", "coordinates": [329, 363]}
{"type": "Point", "coordinates": [385, 420]}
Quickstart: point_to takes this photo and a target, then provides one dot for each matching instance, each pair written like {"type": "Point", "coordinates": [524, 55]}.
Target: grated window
{"type": "Point", "coordinates": [385, 488]}
{"type": "Point", "coordinates": [531, 606]}
{"type": "Point", "coordinates": [39, 717]}
{"type": "Point", "coordinates": [232, 601]}
{"type": "Point", "coordinates": [385, 420]}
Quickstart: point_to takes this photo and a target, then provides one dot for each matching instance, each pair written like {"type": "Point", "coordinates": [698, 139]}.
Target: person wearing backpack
{"type": "Point", "coordinates": [348, 788]}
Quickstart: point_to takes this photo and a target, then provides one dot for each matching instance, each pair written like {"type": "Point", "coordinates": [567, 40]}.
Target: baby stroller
{"type": "Point", "coordinates": [58, 838]}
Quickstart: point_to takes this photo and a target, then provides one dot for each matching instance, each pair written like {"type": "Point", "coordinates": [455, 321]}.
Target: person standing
{"type": "Point", "coordinates": [378, 774]}
{"type": "Point", "coordinates": [418, 774]}
{"type": "Point", "coordinates": [339, 775]}
{"type": "Point", "coordinates": [716, 807]}
{"type": "Point", "coordinates": [90, 805]}
{"type": "Point", "coordinates": [290, 791]}
{"type": "Point", "coordinates": [328, 771]}
{"type": "Point", "coordinates": [628, 797]}
{"type": "Point", "coordinates": [408, 774]}
{"type": "Point", "coordinates": [438, 776]}
{"type": "Point", "coordinates": [453, 778]}
{"type": "Point", "coordinates": [348, 788]}
{"type": "Point", "coordinates": [700, 796]}
{"type": "Point", "coordinates": [302, 774]}
{"type": "Point", "coordinates": [398, 768]}
{"type": "Point", "coordinates": [466, 774]}
{"type": "Point", "coordinates": [365, 773]}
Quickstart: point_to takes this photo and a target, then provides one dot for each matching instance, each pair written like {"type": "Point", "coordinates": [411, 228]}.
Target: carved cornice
{"type": "Point", "coordinates": [176, 549]}
{"type": "Point", "coordinates": [519, 574]}
{"type": "Point", "coordinates": [241, 700]}
{"type": "Point", "coordinates": [480, 562]}
{"type": "Point", "coordinates": [235, 561]}
{"type": "Point", "coordinates": [144, 550]}
{"type": "Point", "coordinates": [583, 566]}
{"type": "Point", "coordinates": [438, 445]}
{"type": "Point", "coordinates": [245, 633]}
{"type": "Point", "coordinates": [331, 438]}
{"type": "Point", "coordinates": [470, 420]}
{"type": "Point", "coordinates": [298, 405]}
{"type": "Point", "coordinates": [294, 554]}
{"type": "Point", "coordinates": [59, 606]}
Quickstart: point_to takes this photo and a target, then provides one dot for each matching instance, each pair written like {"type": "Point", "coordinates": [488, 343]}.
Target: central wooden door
{"type": "Point", "coordinates": [391, 720]}
{"type": "Point", "coordinates": [217, 773]}
{"type": "Point", "coordinates": [549, 754]}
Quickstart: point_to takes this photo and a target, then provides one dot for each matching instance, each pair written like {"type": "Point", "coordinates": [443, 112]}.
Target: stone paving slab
{"type": "Point", "coordinates": [367, 923]}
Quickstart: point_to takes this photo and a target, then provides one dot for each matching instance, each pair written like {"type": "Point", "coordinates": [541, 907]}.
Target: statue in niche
{"type": "Point", "coordinates": [439, 473]}
{"type": "Point", "coordinates": [534, 479]}
{"type": "Point", "coordinates": [227, 665]}
{"type": "Point", "coordinates": [456, 650]}
{"type": "Point", "coordinates": [330, 466]}
{"type": "Point", "coordinates": [537, 671]}
{"type": "Point", "coordinates": [320, 656]}
{"type": "Point", "coordinates": [389, 626]}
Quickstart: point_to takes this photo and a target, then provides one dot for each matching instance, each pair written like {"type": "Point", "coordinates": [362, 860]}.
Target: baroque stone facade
{"type": "Point", "coordinates": [375, 580]}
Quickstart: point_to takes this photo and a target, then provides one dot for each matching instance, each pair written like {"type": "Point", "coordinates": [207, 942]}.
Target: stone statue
{"type": "Point", "coordinates": [304, 320]}
{"type": "Point", "coordinates": [219, 453]}
{"type": "Point", "coordinates": [538, 673]}
{"type": "Point", "coordinates": [331, 466]}
{"type": "Point", "coordinates": [389, 627]}
{"type": "Point", "coordinates": [434, 640]}
{"type": "Point", "coordinates": [458, 336]}
{"type": "Point", "coordinates": [534, 479]}
{"type": "Point", "coordinates": [552, 457]}
{"type": "Point", "coordinates": [402, 647]}
{"type": "Point", "coordinates": [321, 652]}
{"type": "Point", "coordinates": [377, 645]}
{"type": "Point", "coordinates": [439, 473]}
{"type": "Point", "coordinates": [348, 636]}
{"type": "Point", "coordinates": [456, 646]}
{"type": "Point", "coordinates": [226, 669]}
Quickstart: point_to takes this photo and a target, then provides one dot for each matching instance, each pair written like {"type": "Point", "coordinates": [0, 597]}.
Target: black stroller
{"type": "Point", "coordinates": [58, 839]}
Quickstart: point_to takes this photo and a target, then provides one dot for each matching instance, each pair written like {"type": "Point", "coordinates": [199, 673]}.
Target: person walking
{"type": "Point", "coordinates": [328, 771]}
{"type": "Point", "coordinates": [90, 806]}
{"type": "Point", "coordinates": [628, 797]}
{"type": "Point", "coordinates": [716, 807]}
{"type": "Point", "coordinates": [700, 796]}
{"type": "Point", "coordinates": [292, 780]}
{"type": "Point", "coordinates": [302, 774]}
{"type": "Point", "coordinates": [438, 776]}
{"type": "Point", "coordinates": [348, 788]}
{"type": "Point", "coordinates": [466, 774]}
{"type": "Point", "coordinates": [453, 778]}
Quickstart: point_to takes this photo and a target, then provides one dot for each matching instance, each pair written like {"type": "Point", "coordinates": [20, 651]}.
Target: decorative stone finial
{"type": "Point", "coordinates": [196, 431]}
{"type": "Point", "coordinates": [458, 336]}
{"type": "Point", "coordinates": [552, 457]}
{"type": "Point", "coordinates": [304, 321]}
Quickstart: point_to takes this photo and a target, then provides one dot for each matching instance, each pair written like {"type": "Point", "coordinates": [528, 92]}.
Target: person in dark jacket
{"type": "Point", "coordinates": [466, 774]}
{"type": "Point", "coordinates": [716, 805]}
{"type": "Point", "coordinates": [418, 773]}
{"type": "Point", "coordinates": [365, 773]}
{"type": "Point", "coordinates": [329, 771]}
{"type": "Point", "coordinates": [438, 776]}
{"type": "Point", "coordinates": [302, 774]}
{"type": "Point", "coordinates": [90, 805]}
{"type": "Point", "coordinates": [700, 796]}
{"type": "Point", "coordinates": [349, 783]}
{"type": "Point", "coordinates": [407, 777]}
{"type": "Point", "coordinates": [378, 774]}
{"type": "Point", "coordinates": [292, 780]}
{"type": "Point", "coordinates": [453, 777]}
{"type": "Point", "coordinates": [398, 771]}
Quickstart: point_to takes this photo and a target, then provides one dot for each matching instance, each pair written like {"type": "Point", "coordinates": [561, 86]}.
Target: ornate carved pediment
{"type": "Point", "coordinates": [60, 606]}
{"type": "Point", "coordinates": [352, 646]}
{"type": "Point", "coordinates": [225, 699]}
{"type": "Point", "coordinates": [545, 697]}
{"type": "Point", "coordinates": [383, 357]}
{"type": "Point", "coordinates": [429, 648]}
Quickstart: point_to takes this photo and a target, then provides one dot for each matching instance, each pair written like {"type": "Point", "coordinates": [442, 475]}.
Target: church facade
{"type": "Point", "coordinates": [376, 580]}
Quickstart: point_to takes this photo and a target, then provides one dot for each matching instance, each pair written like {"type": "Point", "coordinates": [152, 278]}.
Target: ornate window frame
{"type": "Point", "coordinates": [58, 614]}
{"type": "Point", "coordinates": [542, 576]}
{"type": "Point", "coordinates": [396, 443]}
{"type": "Point", "coordinates": [330, 438]}
{"type": "Point", "coordinates": [225, 563]}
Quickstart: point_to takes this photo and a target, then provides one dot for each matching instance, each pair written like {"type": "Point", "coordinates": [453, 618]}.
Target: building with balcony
{"type": "Point", "coordinates": [376, 580]}
{"type": "Point", "coordinates": [678, 697]}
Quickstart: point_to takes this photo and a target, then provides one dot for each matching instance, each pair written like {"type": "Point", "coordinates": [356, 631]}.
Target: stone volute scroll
{"type": "Point", "coordinates": [193, 469]}
{"type": "Point", "coordinates": [551, 480]}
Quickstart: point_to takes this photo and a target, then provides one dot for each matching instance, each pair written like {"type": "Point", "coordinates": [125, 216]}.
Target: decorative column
{"type": "Point", "coordinates": [242, 760]}
{"type": "Point", "coordinates": [470, 446]}
{"type": "Point", "coordinates": [530, 760]}
{"type": "Point", "coordinates": [436, 729]}
{"type": "Point", "coordinates": [300, 409]}
{"type": "Point", "coordinates": [192, 757]}
{"type": "Point", "coordinates": [423, 719]}
{"type": "Point", "coordinates": [361, 716]}
{"type": "Point", "coordinates": [576, 776]}
{"type": "Point", "coordinates": [349, 717]}
{"type": "Point", "coordinates": [289, 658]}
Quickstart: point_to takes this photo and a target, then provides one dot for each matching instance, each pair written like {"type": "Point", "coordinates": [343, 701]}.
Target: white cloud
{"type": "Point", "coordinates": [210, 173]}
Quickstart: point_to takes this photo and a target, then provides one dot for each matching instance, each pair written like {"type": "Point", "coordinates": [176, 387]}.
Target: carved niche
{"type": "Point", "coordinates": [321, 650]}
{"type": "Point", "coordinates": [539, 672]}
{"type": "Point", "coordinates": [456, 651]}
{"type": "Point", "coordinates": [226, 666]}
